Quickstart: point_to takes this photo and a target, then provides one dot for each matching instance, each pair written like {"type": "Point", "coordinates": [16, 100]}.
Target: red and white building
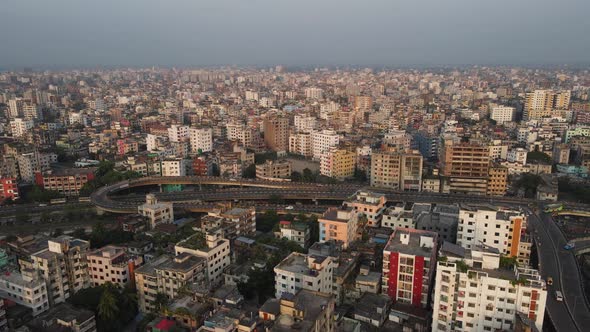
{"type": "Point", "coordinates": [8, 189]}
{"type": "Point", "coordinates": [409, 259]}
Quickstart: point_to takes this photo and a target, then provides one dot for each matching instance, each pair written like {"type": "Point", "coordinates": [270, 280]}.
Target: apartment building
{"type": "Point", "coordinates": [112, 264]}
{"type": "Point", "coordinates": [409, 258]}
{"type": "Point", "coordinates": [491, 226]}
{"type": "Point", "coordinates": [276, 133]}
{"type": "Point", "coordinates": [173, 167]}
{"type": "Point", "coordinates": [67, 182]}
{"type": "Point", "coordinates": [156, 212]}
{"type": "Point", "coordinates": [295, 231]}
{"type": "Point", "coordinates": [230, 223]}
{"type": "Point", "coordinates": [391, 169]}
{"type": "Point", "coordinates": [20, 127]}
{"type": "Point", "coordinates": [25, 288]}
{"type": "Point", "coordinates": [271, 169]}
{"type": "Point", "coordinates": [497, 180]}
{"type": "Point", "coordinates": [314, 93]}
{"type": "Point", "coordinates": [169, 275]}
{"type": "Point", "coordinates": [3, 321]}
{"type": "Point", "coordinates": [467, 166]}
{"type": "Point", "coordinates": [201, 140]}
{"type": "Point", "coordinates": [300, 271]}
{"type": "Point", "coordinates": [502, 114]}
{"type": "Point", "coordinates": [322, 141]}
{"type": "Point", "coordinates": [239, 132]}
{"type": "Point", "coordinates": [8, 189]}
{"type": "Point", "coordinates": [33, 162]}
{"type": "Point", "coordinates": [306, 311]}
{"type": "Point", "coordinates": [178, 133]}
{"type": "Point", "coordinates": [339, 224]}
{"type": "Point", "coordinates": [63, 266]}
{"type": "Point", "coordinates": [304, 123]}
{"type": "Point", "coordinates": [474, 293]}
{"type": "Point", "coordinates": [541, 103]}
{"type": "Point", "coordinates": [301, 144]}
{"type": "Point", "coordinates": [210, 246]}
{"type": "Point", "coordinates": [370, 205]}
{"type": "Point", "coordinates": [338, 164]}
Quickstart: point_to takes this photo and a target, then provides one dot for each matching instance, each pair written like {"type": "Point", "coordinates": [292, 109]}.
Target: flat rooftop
{"type": "Point", "coordinates": [417, 242]}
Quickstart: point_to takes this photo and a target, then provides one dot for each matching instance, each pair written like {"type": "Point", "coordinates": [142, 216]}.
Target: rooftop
{"type": "Point", "coordinates": [412, 242]}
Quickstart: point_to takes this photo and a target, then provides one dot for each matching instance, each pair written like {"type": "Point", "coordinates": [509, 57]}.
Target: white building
{"type": "Point", "coordinates": [156, 212]}
{"type": "Point", "coordinates": [19, 127]}
{"type": "Point", "coordinates": [26, 289]}
{"type": "Point", "coordinates": [490, 226]}
{"type": "Point", "coordinates": [299, 271]}
{"type": "Point", "coordinates": [211, 246]}
{"type": "Point", "coordinates": [473, 293]}
{"type": "Point", "coordinates": [517, 155]}
{"type": "Point", "coordinates": [177, 133]}
{"type": "Point", "coordinates": [173, 167]}
{"type": "Point", "coordinates": [300, 144]}
{"type": "Point", "coordinates": [322, 141]}
{"type": "Point", "coordinates": [502, 114]}
{"type": "Point", "coordinates": [201, 139]}
{"type": "Point", "coordinates": [305, 123]}
{"type": "Point", "coordinates": [314, 93]}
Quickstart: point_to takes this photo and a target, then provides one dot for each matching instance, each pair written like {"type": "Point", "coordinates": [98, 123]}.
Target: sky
{"type": "Point", "coordinates": [192, 33]}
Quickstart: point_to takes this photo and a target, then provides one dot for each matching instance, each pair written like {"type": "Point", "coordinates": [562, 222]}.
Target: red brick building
{"type": "Point", "coordinates": [8, 189]}
{"type": "Point", "coordinates": [67, 183]}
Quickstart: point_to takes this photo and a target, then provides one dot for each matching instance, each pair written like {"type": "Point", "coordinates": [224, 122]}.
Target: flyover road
{"type": "Point", "coordinates": [573, 313]}
{"type": "Point", "coordinates": [10, 210]}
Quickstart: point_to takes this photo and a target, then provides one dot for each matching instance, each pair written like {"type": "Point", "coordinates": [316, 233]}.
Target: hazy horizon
{"type": "Point", "coordinates": [62, 34]}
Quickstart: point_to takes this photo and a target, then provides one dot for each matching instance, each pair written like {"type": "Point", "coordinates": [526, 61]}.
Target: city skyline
{"type": "Point", "coordinates": [68, 34]}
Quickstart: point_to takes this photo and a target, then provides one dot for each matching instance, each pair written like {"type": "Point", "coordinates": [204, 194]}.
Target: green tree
{"type": "Point", "coordinates": [308, 175]}
{"type": "Point", "coordinates": [296, 176]}
{"type": "Point", "coordinates": [250, 172]}
{"type": "Point", "coordinates": [161, 302]}
{"type": "Point", "coordinates": [107, 306]}
{"type": "Point", "coordinates": [529, 183]}
{"type": "Point", "coordinates": [538, 156]}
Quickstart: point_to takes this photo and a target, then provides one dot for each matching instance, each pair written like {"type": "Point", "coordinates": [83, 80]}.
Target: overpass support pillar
{"type": "Point", "coordinates": [160, 186]}
{"type": "Point", "coordinates": [99, 211]}
{"type": "Point", "coordinates": [315, 201]}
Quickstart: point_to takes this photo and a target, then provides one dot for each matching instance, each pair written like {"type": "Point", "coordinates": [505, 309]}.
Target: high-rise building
{"type": "Point", "coordinates": [474, 293]}
{"type": "Point", "coordinates": [363, 103]}
{"type": "Point", "coordinates": [314, 93]}
{"type": "Point", "coordinates": [25, 288]}
{"type": "Point", "coordinates": [276, 133]}
{"type": "Point", "coordinates": [168, 275]}
{"type": "Point", "coordinates": [304, 123]}
{"type": "Point", "coordinates": [63, 266]}
{"type": "Point", "coordinates": [211, 246]}
{"type": "Point", "coordinates": [20, 127]}
{"type": "Point", "coordinates": [502, 114]}
{"type": "Point", "coordinates": [409, 258]}
{"type": "Point", "coordinates": [467, 166]}
{"type": "Point", "coordinates": [201, 139]}
{"type": "Point", "coordinates": [112, 264]}
{"type": "Point", "coordinates": [541, 103]}
{"type": "Point", "coordinates": [323, 141]}
{"type": "Point", "coordinates": [493, 227]}
{"type": "Point", "coordinates": [338, 163]}
{"type": "Point", "coordinates": [178, 133]}
{"type": "Point", "coordinates": [498, 180]}
{"type": "Point", "coordinates": [301, 144]}
{"type": "Point", "coordinates": [300, 271]}
{"type": "Point", "coordinates": [395, 170]}
{"type": "Point", "coordinates": [15, 107]}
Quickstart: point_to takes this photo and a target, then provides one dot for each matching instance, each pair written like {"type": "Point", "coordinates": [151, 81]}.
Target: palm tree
{"type": "Point", "coordinates": [107, 306]}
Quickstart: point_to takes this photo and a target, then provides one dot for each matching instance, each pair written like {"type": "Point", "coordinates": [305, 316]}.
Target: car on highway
{"type": "Point", "coordinates": [550, 281]}
{"type": "Point", "coordinates": [569, 246]}
{"type": "Point", "coordinates": [290, 207]}
{"type": "Point", "coordinates": [558, 296]}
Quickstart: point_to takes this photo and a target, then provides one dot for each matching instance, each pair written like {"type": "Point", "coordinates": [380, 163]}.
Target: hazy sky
{"type": "Point", "coordinates": [75, 33]}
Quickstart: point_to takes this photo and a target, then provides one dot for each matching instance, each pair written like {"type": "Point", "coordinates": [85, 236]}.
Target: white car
{"type": "Point", "coordinates": [290, 207]}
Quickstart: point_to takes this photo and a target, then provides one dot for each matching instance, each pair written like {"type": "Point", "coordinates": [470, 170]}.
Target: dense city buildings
{"type": "Point", "coordinates": [280, 199]}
